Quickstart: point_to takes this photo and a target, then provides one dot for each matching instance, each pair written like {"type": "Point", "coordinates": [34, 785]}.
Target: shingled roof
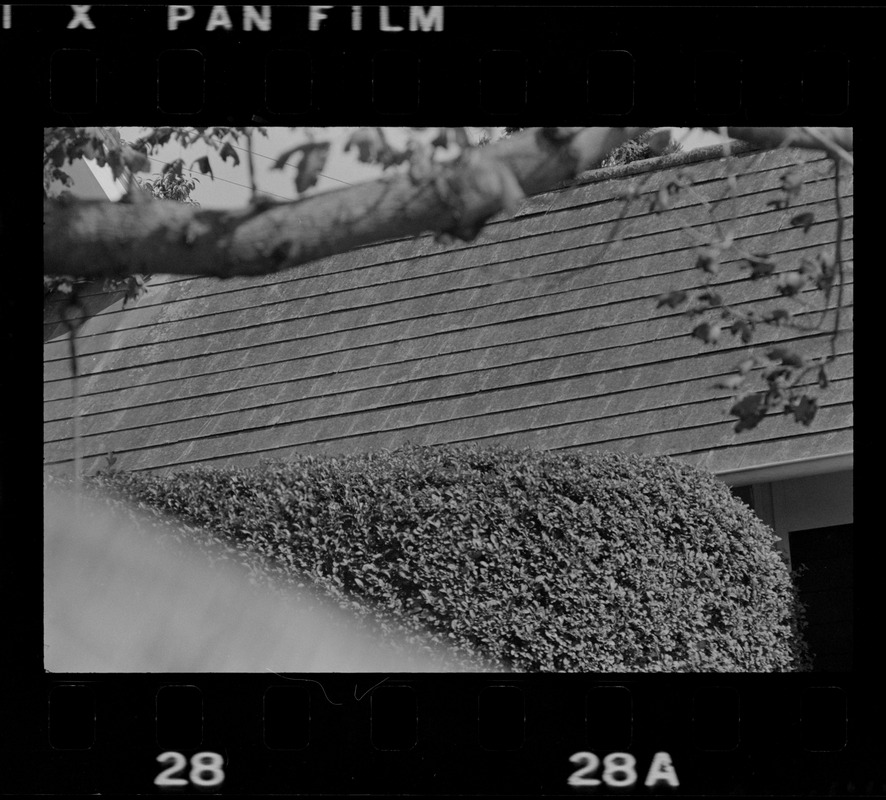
{"type": "Point", "coordinates": [541, 333]}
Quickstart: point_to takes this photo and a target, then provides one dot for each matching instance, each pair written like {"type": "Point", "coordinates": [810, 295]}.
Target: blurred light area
{"type": "Point", "coordinates": [91, 182]}
{"type": "Point", "coordinates": [104, 176]}
{"type": "Point", "coordinates": [119, 599]}
{"type": "Point", "coordinates": [693, 138]}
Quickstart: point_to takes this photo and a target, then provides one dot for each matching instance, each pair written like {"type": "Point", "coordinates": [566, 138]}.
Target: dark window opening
{"type": "Point", "coordinates": [826, 590]}
{"type": "Point", "coordinates": [744, 493]}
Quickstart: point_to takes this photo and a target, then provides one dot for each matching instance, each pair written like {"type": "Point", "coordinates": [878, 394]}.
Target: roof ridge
{"type": "Point", "coordinates": [708, 153]}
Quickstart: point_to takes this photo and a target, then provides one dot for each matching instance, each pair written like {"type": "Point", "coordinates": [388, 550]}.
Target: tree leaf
{"type": "Point", "coordinates": [312, 162]}
{"type": "Point", "coordinates": [671, 299]}
{"type": "Point", "coordinates": [447, 136]}
{"type": "Point", "coordinates": [227, 150]}
{"type": "Point", "coordinates": [761, 267]}
{"type": "Point", "coordinates": [174, 167]}
{"type": "Point", "coordinates": [788, 357]}
{"type": "Point", "coordinates": [805, 221]}
{"type": "Point", "coordinates": [743, 329]}
{"type": "Point", "coordinates": [712, 298]}
{"type": "Point", "coordinates": [750, 410]}
{"type": "Point", "coordinates": [708, 259]}
{"type": "Point", "coordinates": [805, 411]}
{"type": "Point", "coordinates": [203, 165]}
{"type": "Point", "coordinates": [778, 316]}
{"type": "Point", "coordinates": [283, 159]}
{"type": "Point", "coordinates": [369, 143]}
{"type": "Point", "coordinates": [135, 160]}
{"type": "Point", "coordinates": [58, 155]}
{"type": "Point", "coordinates": [791, 283]}
{"type": "Point", "coordinates": [707, 332]}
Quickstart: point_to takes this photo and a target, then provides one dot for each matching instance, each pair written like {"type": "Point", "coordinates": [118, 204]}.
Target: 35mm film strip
{"type": "Point", "coordinates": [402, 735]}
{"type": "Point", "coordinates": [487, 64]}
{"type": "Point", "coordinates": [369, 724]}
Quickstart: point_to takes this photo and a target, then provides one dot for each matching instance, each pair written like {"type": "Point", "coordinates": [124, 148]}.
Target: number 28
{"type": "Point", "coordinates": [206, 769]}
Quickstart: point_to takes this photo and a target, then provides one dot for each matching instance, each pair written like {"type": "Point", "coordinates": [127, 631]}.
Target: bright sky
{"type": "Point", "coordinates": [230, 186]}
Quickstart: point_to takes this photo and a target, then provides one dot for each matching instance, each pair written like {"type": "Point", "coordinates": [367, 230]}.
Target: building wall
{"type": "Point", "coordinates": [797, 504]}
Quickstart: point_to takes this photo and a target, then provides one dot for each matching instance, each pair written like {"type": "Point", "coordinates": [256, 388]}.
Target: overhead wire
{"type": "Point", "coordinates": [287, 163]}
{"type": "Point", "coordinates": [243, 186]}
{"type": "Point", "coordinates": [217, 178]}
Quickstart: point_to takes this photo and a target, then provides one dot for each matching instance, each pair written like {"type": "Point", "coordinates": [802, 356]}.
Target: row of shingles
{"type": "Point", "coordinates": [795, 444]}
{"type": "Point", "coordinates": [705, 428]}
{"type": "Point", "coordinates": [336, 430]}
{"type": "Point", "coordinates": [398, 374]}
{"type": "Point", "coordinates": [736, 453]}
{"type": "Point", "coordinates": [204, 406]}
{"type": "Point", "coordinates": [311, 299]}
{"type": "Point", "coordinates": [434, 410]}
{"type": "Point", "coordinates": [574, 261]}
{"type": "Point", "coordinates": [586, 193]}
{"type": "Point", "coordinates": [181, 388]}
{"type": "Point", "coordinates": [87, 364]}
{"type": "Point", "coordinates": [610, 367]}
{"type": "Point", "coordinates": [579, 412]}
{"type": "Point", "coordinates": [618, 274]}
{"type": "Point", "coordinates": [607, 295]}
{"type": "Point", "coordinates": [287, 392]}
{"type": "Point", "coordinates": [776, 439]}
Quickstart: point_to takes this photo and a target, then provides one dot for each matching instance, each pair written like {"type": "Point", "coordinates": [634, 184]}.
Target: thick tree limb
{"type": "Point", "coordinates": [94, 239]}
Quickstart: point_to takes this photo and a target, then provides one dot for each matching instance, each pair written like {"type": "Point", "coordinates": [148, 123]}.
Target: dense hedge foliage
{"type": "Point", "coordinates": [533, 560]}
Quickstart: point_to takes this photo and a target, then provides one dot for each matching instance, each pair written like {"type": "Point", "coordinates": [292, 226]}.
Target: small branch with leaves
{"type": "Point", "coordinates": [784, 370]}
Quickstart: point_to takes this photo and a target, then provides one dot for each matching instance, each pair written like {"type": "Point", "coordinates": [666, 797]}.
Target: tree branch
{"type": "Point", "coordinates": [96, 238]}
{"type": "Point", "coordinates": [93, 239]}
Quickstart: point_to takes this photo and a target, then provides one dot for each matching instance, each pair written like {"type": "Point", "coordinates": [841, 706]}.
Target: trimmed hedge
{"type": "Point", "coordinates": [537, 561]}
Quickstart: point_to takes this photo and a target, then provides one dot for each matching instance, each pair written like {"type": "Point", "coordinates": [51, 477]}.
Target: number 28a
{"type": "Point", "coordinates": [620, 770]}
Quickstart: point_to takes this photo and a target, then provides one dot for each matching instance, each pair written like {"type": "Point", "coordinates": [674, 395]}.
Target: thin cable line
{"type": "Point", "coordinates": [260, 155]}
{"type": "Point", "coordinates": [216, 177]}
{"type": "Point", "coordinates": [288, 164]}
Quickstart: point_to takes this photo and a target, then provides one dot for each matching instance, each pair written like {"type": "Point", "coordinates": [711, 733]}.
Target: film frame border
{"type": "Point", "coordinates": [806, 764]}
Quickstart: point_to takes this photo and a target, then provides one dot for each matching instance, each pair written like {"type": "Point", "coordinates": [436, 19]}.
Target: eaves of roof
{"type": "Point", "coordinates": [783, 470]}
